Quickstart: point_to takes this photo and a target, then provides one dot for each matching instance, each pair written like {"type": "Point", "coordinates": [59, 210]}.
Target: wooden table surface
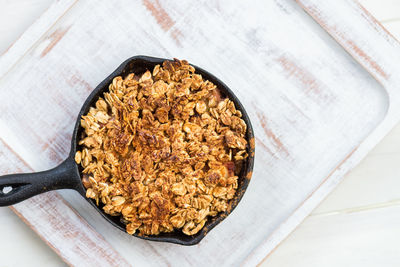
{"type": "Point", "coordinates": [357, 225]}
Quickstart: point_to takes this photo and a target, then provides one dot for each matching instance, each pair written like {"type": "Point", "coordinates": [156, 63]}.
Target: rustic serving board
{"type": "Point", "coordinates": [317, 78]}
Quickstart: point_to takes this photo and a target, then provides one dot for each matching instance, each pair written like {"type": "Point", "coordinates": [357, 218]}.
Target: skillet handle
{"type": "Point", "coordinates": [15, 188]}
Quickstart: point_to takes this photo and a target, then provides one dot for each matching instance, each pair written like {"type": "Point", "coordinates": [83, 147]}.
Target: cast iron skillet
{"type": "Point", "coordinates": [18, 187]}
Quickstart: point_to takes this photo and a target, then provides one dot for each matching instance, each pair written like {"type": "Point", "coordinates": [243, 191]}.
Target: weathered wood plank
{"type": "Point", "coordinates": [55, 221]}
{"type": "Point", "coordinates": [354, 237]}
{"type": "Point", "coordinates": [32, 34]}
{"type": "Point", "coordinates": [17, 236]}
{"type": "Point", "coordinates": [374, 180]}
{"type": "Point", "coordinates": [384, 10]}
{"type": "Point", "coordinates": [309, 102]}
{"type": "Point", "coordinates": [378, 62]}
{"type": "Point", "coordinates": [393, 27]}
{"type": "Point", "coordinates": [16, 17]}
{"type": "Point", "coordinates": [350, 33]}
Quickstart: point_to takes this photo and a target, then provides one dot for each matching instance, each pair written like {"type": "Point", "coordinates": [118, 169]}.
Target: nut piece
{"type": "Point", "coordinates": [85, 181]}
{"type": "Point", "coordinates": [162, 150]}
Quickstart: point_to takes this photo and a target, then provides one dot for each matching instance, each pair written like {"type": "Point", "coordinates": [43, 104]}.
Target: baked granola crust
{"type": "Point", "coordinates": [162, 150]}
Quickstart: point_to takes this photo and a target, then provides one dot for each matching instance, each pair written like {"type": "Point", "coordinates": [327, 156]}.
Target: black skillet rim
{"type": "Point", "coordinates": [141, 63]}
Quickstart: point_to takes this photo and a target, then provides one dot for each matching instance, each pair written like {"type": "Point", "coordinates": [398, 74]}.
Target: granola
{"type": "Point", "coordinates": [162, 150]}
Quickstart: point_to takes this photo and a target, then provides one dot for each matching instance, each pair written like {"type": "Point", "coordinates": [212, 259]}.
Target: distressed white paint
{"type": "Point", "coordinates": [16, 17]}
{"type": "Point", "coordinates": [58, 224]}
{"type": "Point", "coordinates": [383, 10]}
{"type": "Point", "coordinates": [350, 238]}
{"type": "Point", "coordinates": [379, 58]}
{"type": "Point", "coordinates": [346, 106]}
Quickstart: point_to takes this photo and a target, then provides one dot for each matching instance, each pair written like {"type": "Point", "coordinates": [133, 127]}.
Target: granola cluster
{"type": "Point", "coordinates": [162, 150]}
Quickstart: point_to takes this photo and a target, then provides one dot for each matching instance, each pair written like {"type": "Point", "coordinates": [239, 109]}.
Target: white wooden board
{"type": "Point", "coordinates": [350, 238]}
{"type": "Point", "coordinates": [315, 110]}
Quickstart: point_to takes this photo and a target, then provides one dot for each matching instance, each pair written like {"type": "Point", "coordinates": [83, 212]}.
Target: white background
{"type": "Point", "coordinates": [357, 225]}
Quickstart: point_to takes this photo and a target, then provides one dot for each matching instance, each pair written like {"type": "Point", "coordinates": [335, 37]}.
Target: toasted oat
{"type": "Point", "coordinates": [162, 150]}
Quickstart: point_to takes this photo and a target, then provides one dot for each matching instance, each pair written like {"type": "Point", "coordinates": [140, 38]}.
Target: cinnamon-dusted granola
{"type": "Point", "coordinates": [162, 150]}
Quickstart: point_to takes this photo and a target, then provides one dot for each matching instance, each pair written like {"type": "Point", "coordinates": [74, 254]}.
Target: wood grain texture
{"type": "Point", "coordinates": [350, 238]}
{"type": "Point", "coordinates": [383, 10]}
{"type": "Point", "coordinates": [54, 220]}
{"type": "Point", "coordinates": [295, 95]}
{"type": "Point", "coordinates": [373, 182]}
{"type": "Point", "coordinates": [16, 17]}
{"type": "Point", "coordinates": [49, 214]}
{"type": "Point", "coordinates": [31, 35]}
{"type": "Point", "coordinates": [351, 31]}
